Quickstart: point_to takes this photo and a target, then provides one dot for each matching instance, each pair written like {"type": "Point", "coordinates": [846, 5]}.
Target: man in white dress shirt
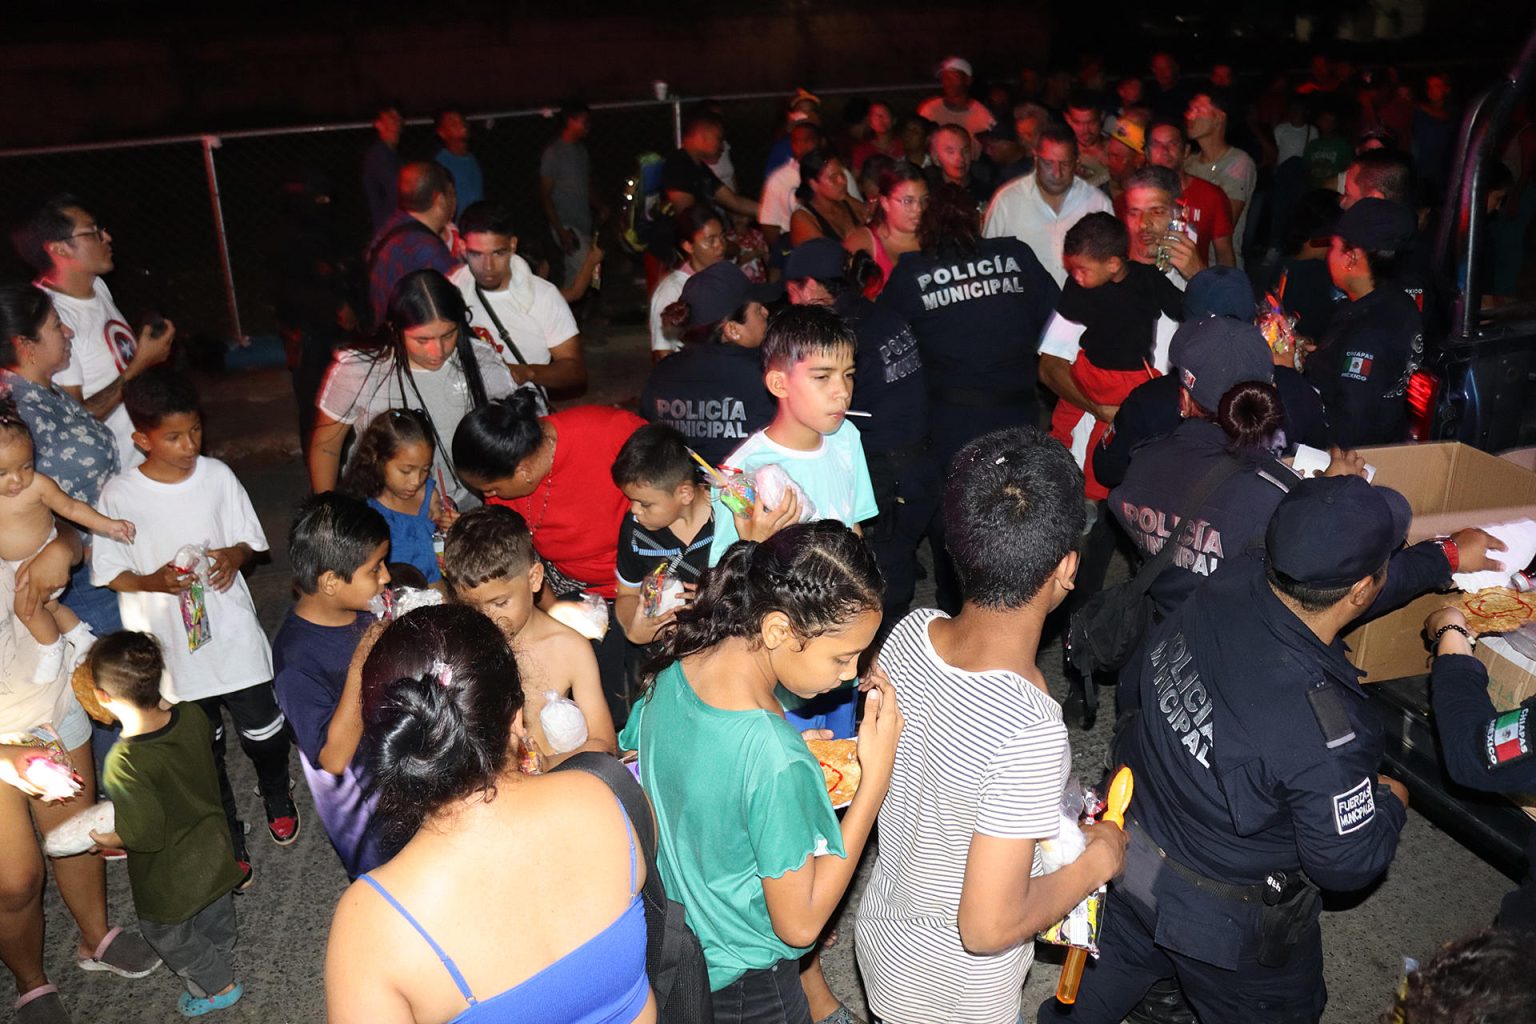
{"type": "Point", "coordinates": [1041, 207]}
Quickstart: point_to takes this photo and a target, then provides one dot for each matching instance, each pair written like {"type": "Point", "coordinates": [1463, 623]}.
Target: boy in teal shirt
{"type": "Point", "coordinates": [808, 358]}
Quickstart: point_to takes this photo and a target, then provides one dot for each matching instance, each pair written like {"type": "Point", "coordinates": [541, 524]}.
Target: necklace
{"type": "Point", "coordinates": [549, 487]}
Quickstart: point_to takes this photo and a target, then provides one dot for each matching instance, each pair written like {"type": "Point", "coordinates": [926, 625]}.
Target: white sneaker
{"type": "Point", "coordinates": [50, 659]}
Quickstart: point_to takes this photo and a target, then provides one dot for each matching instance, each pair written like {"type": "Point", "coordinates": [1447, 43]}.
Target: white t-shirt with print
{"type": "Point", "coordinates": [209, 507]}
{"type": "Point", "coordinates": [359, 387]}
{"type": "Point", "coordinates": [103, 347]}
{"type": "Point", "coordinates": [532, 310]}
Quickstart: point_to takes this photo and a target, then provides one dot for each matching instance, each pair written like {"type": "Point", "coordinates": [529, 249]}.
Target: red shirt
{"type": "Point", "coordinates": [576, 510]}
{"type": "Point", "coordinates": [1210, 213]}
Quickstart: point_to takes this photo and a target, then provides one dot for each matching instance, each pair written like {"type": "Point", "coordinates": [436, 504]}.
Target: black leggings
{"type": "Point", "coordinates": [263, 736]}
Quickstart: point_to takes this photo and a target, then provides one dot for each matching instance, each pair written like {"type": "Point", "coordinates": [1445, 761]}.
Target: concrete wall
{"type": "Point", "coordinates": [211, 75]}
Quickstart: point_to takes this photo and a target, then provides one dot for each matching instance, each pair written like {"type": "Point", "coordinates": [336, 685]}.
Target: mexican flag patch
{"type": "Point", "coordinates": [1508, 738]}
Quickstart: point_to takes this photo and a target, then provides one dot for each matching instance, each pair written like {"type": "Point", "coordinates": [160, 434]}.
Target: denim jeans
{"type": "Point", "coordinates": [768, 995]}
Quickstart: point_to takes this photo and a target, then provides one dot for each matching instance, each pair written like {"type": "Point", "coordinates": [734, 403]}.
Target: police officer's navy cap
{"type": "Point", "coordinates": [1213, 354]}
{"type": "Point", "coordinates": [719, 290]}
{"type": "Point", "coordinates": [818, 258]}
{"type": "Point", "coordinates": [1219, 291]}
{"type": "Point", "coordinates": [1377, 225]}
{"type": "Point", "coordinates": [1331, 531]}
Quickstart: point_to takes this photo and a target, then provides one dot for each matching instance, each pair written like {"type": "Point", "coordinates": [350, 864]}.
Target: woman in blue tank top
{"type": "Point", "coordinates": [523, 888]}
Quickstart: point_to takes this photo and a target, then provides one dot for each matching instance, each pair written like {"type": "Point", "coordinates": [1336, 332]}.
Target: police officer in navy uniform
{"type": "Point", "coordinates": [1485, 748]}
{"type": "Point", "coordinates": [712, 391]}
{"type": "Point", "coordinates": [1374, 341]}
{"type": "Point", "coordinates": [1256, 763]}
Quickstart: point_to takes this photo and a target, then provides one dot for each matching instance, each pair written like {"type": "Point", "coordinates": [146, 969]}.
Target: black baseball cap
{"type": "Point", "coordinates": [1219, 291]}
{"type": "Point", "coordinates": [719, 290]}
{"type": "Point", "coordinates": [820, 259]}
{"type": "Point", "coordinates": [1377, 225]}
{"type": "Point", "coordinates": [1331, 531]}
{"type": "Point", "coordinates": [1216, 353]}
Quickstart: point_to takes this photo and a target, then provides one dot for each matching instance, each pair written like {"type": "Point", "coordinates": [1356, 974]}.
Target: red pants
{"type": "Point", "coordinates": [1102, 387]}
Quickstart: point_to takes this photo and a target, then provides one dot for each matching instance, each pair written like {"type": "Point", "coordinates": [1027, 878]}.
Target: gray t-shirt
{"type": "Point", "coordinates": [566, 164]}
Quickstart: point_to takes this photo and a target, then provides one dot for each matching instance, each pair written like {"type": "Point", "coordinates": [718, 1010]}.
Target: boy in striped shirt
{"type": "Point", "coordinates": [946, 926]}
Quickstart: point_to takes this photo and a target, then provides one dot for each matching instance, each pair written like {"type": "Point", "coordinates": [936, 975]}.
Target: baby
{"type": "Point", "coordinates": [28, 502]}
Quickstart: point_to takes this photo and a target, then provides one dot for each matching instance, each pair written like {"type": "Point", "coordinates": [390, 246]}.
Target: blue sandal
{"type": "Point", "coordinates": [195, 1006]}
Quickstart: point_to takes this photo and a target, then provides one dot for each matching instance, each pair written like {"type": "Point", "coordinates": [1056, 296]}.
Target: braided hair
{"type": "Point", "coordinates": [821, 575]}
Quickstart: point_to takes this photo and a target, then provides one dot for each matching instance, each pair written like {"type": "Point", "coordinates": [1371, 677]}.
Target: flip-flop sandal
{"type": "Point", "coordinates": [42, 1005]}
{"type": "Point", "coordinates": [122, 953]}
{"type": "Point", "coordinates": [195, 1006]}
{"type": "Point", "coordinates": [841, 1015]}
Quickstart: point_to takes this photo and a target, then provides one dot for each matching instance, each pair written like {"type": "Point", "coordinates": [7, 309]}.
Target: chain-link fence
{"type": "Point", "coordinates": [199, 223]}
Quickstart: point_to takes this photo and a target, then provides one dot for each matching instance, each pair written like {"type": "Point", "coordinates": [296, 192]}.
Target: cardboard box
{"type": "Point", "coordinates": [1449, 486]}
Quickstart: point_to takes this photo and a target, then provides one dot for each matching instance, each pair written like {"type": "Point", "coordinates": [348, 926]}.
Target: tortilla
{"type": "Point", "coordinates": [84, 685]}
{"type": "Point", "coordinates": [1498, 610]}
{"type": "Point", "coordinates": [839, 761]}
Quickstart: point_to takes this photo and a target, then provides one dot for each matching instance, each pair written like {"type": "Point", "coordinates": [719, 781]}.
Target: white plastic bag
{"type": "Point", "coordinates": [565, 727]}
{"type": "Point", "coordinates": [74, 835]}
{"type": "Point", "coordinates": [772, 483]}
{"type": "Point", "coordinates": [587, 615]}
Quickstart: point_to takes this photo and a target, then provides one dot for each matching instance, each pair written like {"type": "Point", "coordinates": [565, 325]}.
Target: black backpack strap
{"type": "Point", "coordinates": [506, 337]}
{"type": "Point", "coordinates": [1153, 567]}
{"type": "Point", "coordinates": [630, 795]}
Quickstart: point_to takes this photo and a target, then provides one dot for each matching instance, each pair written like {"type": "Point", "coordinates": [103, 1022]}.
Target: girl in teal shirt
{"type": "Point", "coordinates": [749, 841]}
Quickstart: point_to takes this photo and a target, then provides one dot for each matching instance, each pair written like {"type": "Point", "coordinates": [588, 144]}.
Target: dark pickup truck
{"type": "Point", "coordinates": [1478, 387]}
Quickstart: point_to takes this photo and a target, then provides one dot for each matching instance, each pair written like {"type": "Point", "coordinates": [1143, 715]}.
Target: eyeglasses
{"type": "Point", "coordinates": [911, 201]}
{"type": "Point", "coordinates": [94, 232]}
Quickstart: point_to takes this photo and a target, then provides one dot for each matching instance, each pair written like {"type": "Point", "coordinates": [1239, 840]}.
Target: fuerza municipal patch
{"type": "Point", "coordinates": [1354, 808]}
{"type": "Point", "coordinates": [1508, 738]}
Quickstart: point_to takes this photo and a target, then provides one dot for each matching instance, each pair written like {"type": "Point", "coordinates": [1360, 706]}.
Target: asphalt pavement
{"type": "Point", "coordinates": [1435, 891]}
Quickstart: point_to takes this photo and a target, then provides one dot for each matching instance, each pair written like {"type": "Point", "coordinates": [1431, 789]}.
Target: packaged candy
{"type": "Point", "coordinates": [588, 615]}
{"type": "Point", "coordinates": [192, 560]}
{"type": "Point", "coordinates": [392, 602]}
{"type": "Point", "coordinates": [565, 727]}
{"type": "Point", "coordinates": [773, 483]}
{"type": "Point", "coordinates": [737, 493]}
{"type": "Point", "coordinates": [1081, 925]}
{"type": "Point", "coordinates": [659, 592]}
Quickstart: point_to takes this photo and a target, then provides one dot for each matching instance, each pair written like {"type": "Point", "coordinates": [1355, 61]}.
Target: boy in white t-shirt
{"type": "Point", "coordinates": [947, 924]}
{"type": "Point", "coordinates": [70, 252]}
{"type": "Point", "coordinates": [216, 653]}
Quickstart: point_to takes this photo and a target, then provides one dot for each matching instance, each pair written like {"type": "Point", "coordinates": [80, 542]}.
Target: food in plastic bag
{"type": "Point", "coordinates": [56, 778]}
{"type": "Point", "coordinates": [588, 615]}
{"type": "Point", "coordinates": [565, 727]}
{"type": "Point", "coordinates": [74, 835]}
{"type": "Point", "coordinates": [1081, 925]}
{"type": "Point", "coordinates": [392, 602]}
{"type": "Point", "coordinates": [660, 593]}
{"type": "Point", "coordinates": [192, 560]}
{"type": "Point", "coordinates": [773, 483]}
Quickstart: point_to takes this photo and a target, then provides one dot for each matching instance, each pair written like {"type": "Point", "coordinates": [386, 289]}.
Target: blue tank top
{"type": "Point", "coordinates": [410, 536]}
{"type": "Point", "coordinates": [602, 981]}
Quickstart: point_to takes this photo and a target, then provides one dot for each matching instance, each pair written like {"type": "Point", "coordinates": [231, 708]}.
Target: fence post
{"type": "Point", "coordinates": [210, 143]}
{"type": "Point", "coordinates": [677, 122]}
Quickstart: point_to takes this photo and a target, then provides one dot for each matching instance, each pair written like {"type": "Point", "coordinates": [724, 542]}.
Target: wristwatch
{"type": "Point", "coordinates": [1452, 553]}
{"type": "Point", "coordinates": [1434, 641]}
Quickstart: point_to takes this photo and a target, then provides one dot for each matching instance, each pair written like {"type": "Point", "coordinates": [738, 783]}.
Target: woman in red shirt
{"type": "Point", "coordinates": [555, 471]}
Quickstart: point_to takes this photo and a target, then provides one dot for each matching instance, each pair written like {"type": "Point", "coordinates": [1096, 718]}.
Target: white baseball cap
{"type": "Point", "coordinates": [959, 64]}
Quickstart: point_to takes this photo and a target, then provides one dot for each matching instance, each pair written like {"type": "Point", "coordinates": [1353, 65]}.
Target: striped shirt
{"type": "Point", "coordinates": [981, 752]}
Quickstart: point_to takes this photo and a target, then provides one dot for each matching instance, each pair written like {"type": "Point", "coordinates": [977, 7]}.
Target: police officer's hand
{"type": "Point", "coordinates": [1398, 789]}
{"type": "Point", "coordinates": [1344, 463]}
{"type": "Point", "coordinates": [1472, 547]}
{"type": "Point", "coordinates": [1107, 842]}
{"type": "Point", "coordinates": [1451, 642]}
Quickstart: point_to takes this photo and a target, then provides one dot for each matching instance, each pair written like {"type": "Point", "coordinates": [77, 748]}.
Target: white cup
{"type": "Point", "coordinates": [661, 89]}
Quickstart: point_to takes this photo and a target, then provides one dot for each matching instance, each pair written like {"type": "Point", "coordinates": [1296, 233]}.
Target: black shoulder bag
{"type": "Point", "coordinates": [506, 339]}
{"type": "Point", "coordinates": [1107, 629]}
{"type": "Point", "coordinates": [674, 960]}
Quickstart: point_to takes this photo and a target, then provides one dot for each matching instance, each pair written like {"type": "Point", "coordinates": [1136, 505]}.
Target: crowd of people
{"type": "Point", "coordinates": [1022, 327]}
